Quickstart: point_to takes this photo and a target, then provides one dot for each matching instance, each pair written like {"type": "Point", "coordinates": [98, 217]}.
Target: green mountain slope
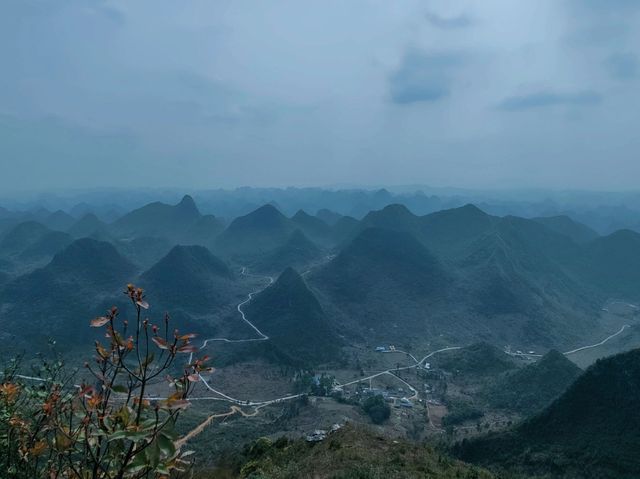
{"type": "Point", "coordinates": [86, 226]}
{"type": "Point", "coordinates": [296, 324]}
{"type": "Point", "coordinates": [591, 431]}
{"type": "Point", "coordinates": [312, 226]}
{"type": "Point", "coordinates": [533, 387]}
{"type": "Point", "coordinates": [352, 452]}
{"type": "Point", "coordinates": [613, 264]}
{"type": "Point", "coordinates": [158, 219]}
{"type": "Point", "coordinates": [192, 279]}
{"type": "Point", "coordinates": [59, 299]}
{"type": "Point", "coordinates": [385, 283]}
{"type": "Point", "coordinates": [478, 359]}
{"type": "Point", "coordinates": [258, 232]}
{"type": "Point", "coordinates": [566, 226]}
{"type": "Point", "coordinates": [297, 252]}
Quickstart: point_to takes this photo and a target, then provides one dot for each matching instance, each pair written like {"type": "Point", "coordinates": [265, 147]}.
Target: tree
{"type": "Point", "coordinates": [109, 427]}
{"type": "Point", "coordinates": [377, 409]}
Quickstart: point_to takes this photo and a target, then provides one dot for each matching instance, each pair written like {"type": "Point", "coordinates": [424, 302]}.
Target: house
{"type": "Point", "coordinates": [404, 402]}
{"type": "Point", "coordinates": [381, 349]}
{"type": "Point", "coordinates": [317, 436]}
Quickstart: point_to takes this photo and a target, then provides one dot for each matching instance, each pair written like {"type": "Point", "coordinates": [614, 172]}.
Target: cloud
{"type": "Point", "coordinates": [449, 23]}
{"type": "Point", "coordinates": [544, 99]}
{"type": "Point", "coordinates": [622, 66]}
{"type": "Point", "coordinates": [424, 77]}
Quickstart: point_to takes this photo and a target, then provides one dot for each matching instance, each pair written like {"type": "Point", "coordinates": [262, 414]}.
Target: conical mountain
{"type": "Point", "coordinates": [449, 232]}
{"type": "Point", "coordinates": [592, 430]}
{"type": "Point", "coordinates": [87, 226]}
{"type": "Point", "coordinates": [21, 236]}
{"type": "Point", "coordinates": [158, 219]}
{"type": "Point", "coordinates": [58, 301]}
{"type": "Point", "coordinates": [328, 216]}
{"type": "Point", "coordinates": [392, 217]}
{"type": "Point", "coordinates": [386, 285]}
{"type": "Point", "coordinates": [46, 246]}
{"type": "Point", "coordinates": [256, 233]}
{"type": "Point", "coordinates": [519, 277]}
{"type": "Point", "coordinates": [192, 279]}
{"type": "Point", "coordinates": [297, 252]}
{"type": "Point", "coordinates": [384, 257]}
{"type": "Point", "coordinates": [532, 388]}
{"type": "Point", "coordinates": [91, 262]}
{"type": "Point", "coordinates": [344, 229]}
{"type": "Point", "coordinates": [59, 221]}
{"type": "Point", "coordinates": [291, 316]}
{"type": "Point", "coordinates": [312, 226]}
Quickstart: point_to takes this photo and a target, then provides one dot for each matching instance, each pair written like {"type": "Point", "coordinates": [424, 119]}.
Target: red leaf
{"type": "Point", "coordinates": [187, 348]}
{"type": "Point", "coordinates": [161, 343]}
{"type": "Point", "coordinates": [101, 321]}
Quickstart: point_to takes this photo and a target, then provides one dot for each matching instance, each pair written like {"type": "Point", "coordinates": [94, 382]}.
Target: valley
{"type": "Point", "coordinates": [454, 320]}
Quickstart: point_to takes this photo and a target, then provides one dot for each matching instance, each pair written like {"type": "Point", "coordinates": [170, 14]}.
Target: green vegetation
{"type": "Point", "coordinates": [592, 430]}
{"type": "Point", "coordinates": [377, 409]}
{"type": "Point", "coordinates": [105, 427]}
{"type": "Point", "coordinates": [460, 411]}
{"type": "Point", "coordinates": [296, 324]}
{"type": "Point", "coordinates": [351, 453]}
{"type": "Point", "coordinates": [47, 302]}
{"type": "Point", "coordinates": [191, 278]}
{"type": "Point", "coordinates": [298, 251]}
{"type": "Point", "coordinates": [533, 387]}
{"type": "Point", "coordinates": [259, 232]}
{"type": "Point", "coordinates": [479, 359]}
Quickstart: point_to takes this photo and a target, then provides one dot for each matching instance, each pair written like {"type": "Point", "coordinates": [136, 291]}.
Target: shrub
{"type": "Point", "coordinates": [377, 409]}
{"type": "Point", "coordinates": [108, 429]}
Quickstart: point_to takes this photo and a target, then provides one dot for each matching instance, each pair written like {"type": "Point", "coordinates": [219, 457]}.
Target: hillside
{"type": "Point", "coordinates": [296, 324]}
{"type": "Point", "coordinates": [46, 246]}
{"type": "Point", "coordinates": [203, 231]}
{"type": "Point", "coordinates": [258, 232]}
{"type": "Point", "coordinates": [158, 219]}
{"type": "Point", "coordinates": [192, 279]}
{"type": "Point", "coordinates": [328, 216]}
{"type": "Point", "coordinates": [312, 226]}
{"type": "Point", "coordinates": [384, 282]}
{"type": "Point", "coordinates": [58, 221]}
{"type": "Point", "coordinates": [566, 226]}
{"type": "Point", "coordinates": [392, 217]}
{"type": "Point", "coordinates": [298, 252]}
{"type": "Point", "coordinates": [21, 237]}
{"type": "Point", "coordinates": [59, 299]}
{"type": "Point", "coordinates": [613, 263]}
{"type": "Point", "coordinates": [522, 274]}
{"type": "Point", "coordinates": [592, 430]}
{"type": "Point", "coordinates": [533, 387]}
{"type": "Point", "coordinates": [479, 359]}
{"type": "Point", "coordinates": [352, 452]}
{"type": "Point", "coordinates": [449, 232]}
{"type": "Point", "coordinates": [87, 226]}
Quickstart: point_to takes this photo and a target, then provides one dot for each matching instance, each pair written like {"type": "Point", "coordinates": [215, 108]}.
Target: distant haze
{"type": "Point", "coordinates": [202, 94]}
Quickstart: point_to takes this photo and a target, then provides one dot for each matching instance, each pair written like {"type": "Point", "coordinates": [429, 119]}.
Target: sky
{"type": "Point", "coordinates": [208, 94]}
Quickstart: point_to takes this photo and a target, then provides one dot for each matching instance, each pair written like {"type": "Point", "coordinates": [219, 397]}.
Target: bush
{"type": "Point", "coordinates": [377, 409]}
{"type": "Point", "coordinates": [109, 428]}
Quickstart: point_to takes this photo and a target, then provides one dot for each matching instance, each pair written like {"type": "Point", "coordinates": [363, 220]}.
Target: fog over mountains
{"type": "Point", "coordinates": [502, 304]}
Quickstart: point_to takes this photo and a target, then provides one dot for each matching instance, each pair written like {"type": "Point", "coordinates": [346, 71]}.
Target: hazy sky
{"type": "Point", "coordinates": [485, 93]}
